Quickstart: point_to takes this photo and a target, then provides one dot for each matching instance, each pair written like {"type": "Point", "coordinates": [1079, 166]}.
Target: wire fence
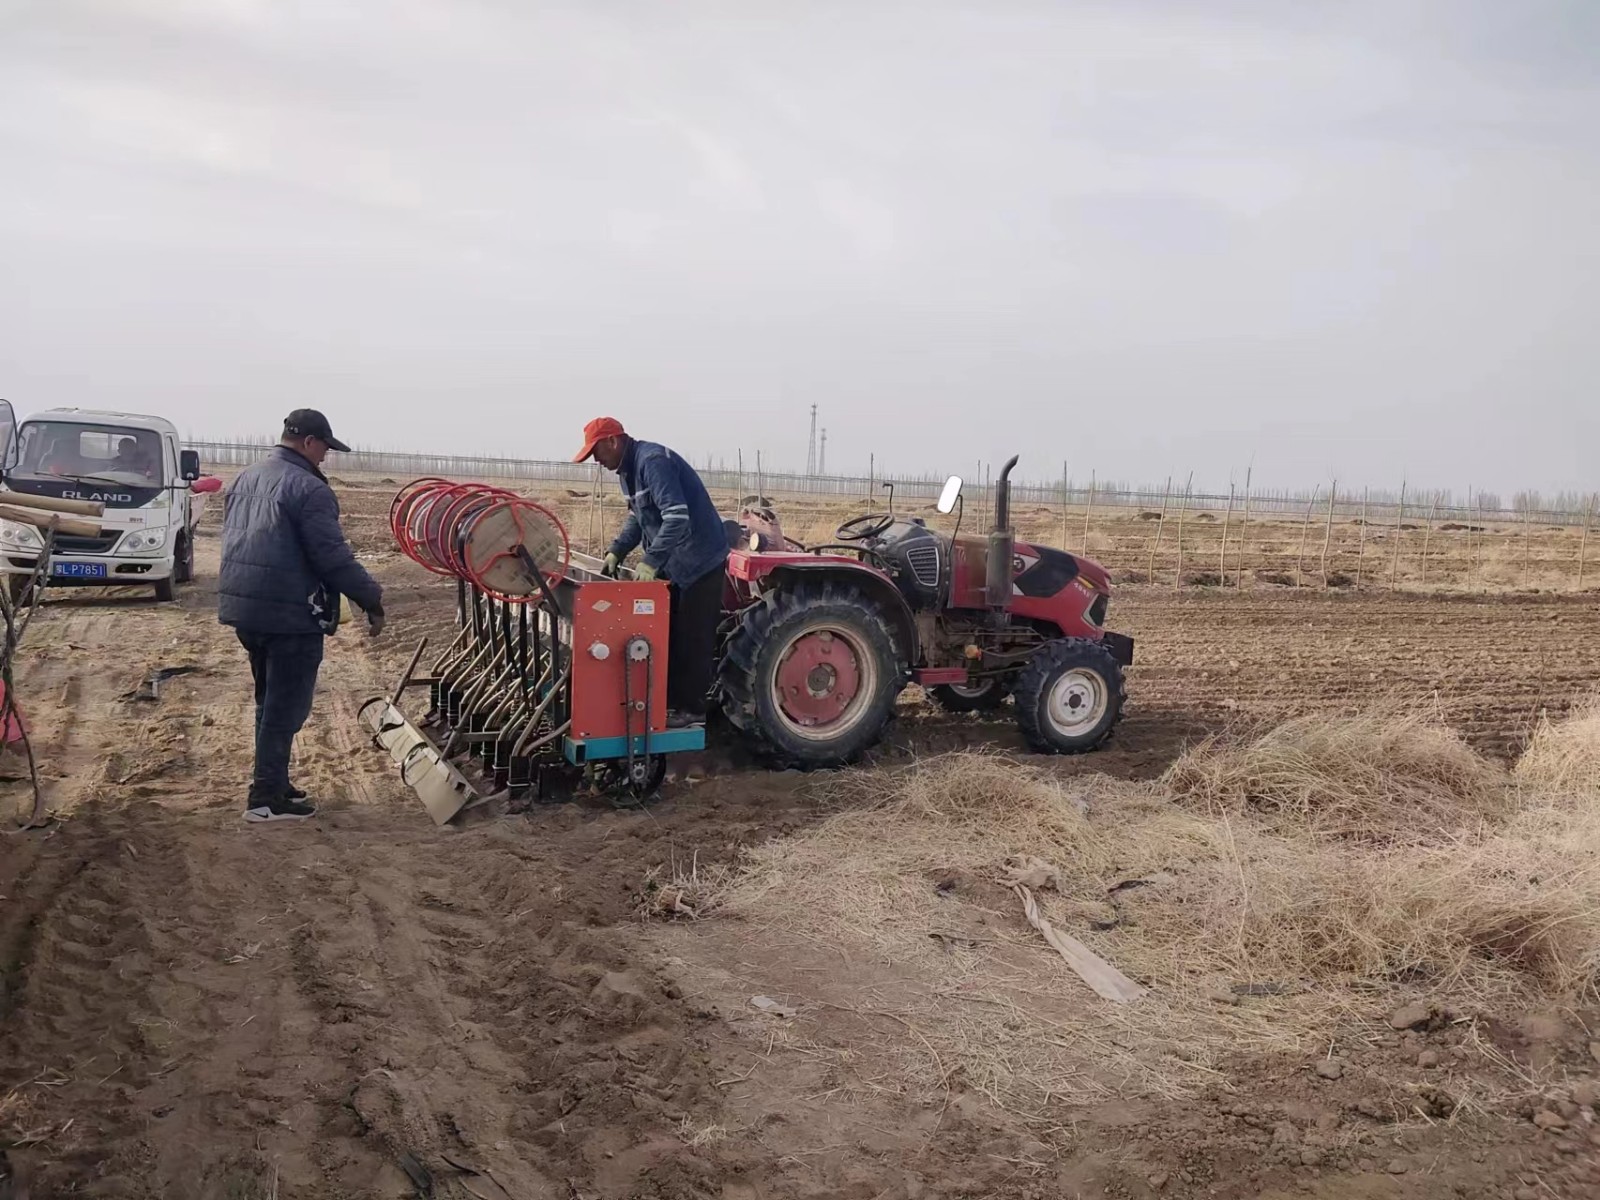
{"type": "Point", "coordinates": [1323, 537]}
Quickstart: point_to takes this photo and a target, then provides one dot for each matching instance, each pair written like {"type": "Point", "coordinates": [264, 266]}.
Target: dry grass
{"type": "Point", "coordinates": [1377, 777]}
{"type": "Point", "coordinates": [1563, 758]}
{"type": "Point", "coordinates": [1443, 880]}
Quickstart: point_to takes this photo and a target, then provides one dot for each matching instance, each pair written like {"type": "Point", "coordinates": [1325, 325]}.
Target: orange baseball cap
{"type": "Point", "coordinates": [598, 430]}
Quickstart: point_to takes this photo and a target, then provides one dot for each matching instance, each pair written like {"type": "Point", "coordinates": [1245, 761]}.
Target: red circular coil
{"type": "Point", "coordinates": [532, 521]}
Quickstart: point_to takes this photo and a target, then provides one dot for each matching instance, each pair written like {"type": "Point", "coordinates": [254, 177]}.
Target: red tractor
{"type": "Point", "coordinates": [820, 641]}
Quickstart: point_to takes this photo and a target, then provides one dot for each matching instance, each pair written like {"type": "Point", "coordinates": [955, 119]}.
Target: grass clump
{"type": "Point", "coordinates": [1377, 777]}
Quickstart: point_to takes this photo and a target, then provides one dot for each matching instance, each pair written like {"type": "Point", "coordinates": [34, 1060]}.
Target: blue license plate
{"type": "Point", "coordinates": [70, 570]}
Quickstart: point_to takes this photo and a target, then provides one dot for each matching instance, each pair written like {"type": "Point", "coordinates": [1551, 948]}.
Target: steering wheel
{"type": "Point", "coordinates": [864, 528]}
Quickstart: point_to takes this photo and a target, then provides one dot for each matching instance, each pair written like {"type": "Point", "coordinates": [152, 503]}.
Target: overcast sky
{"type": "Point", "coordinates": [1146, 236]}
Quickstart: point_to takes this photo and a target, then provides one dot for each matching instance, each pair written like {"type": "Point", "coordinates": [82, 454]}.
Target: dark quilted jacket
{"type": "Point", "coordinates": [284, 558]}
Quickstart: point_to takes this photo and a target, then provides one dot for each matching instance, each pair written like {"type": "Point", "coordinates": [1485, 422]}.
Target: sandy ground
{"type": "Point", "coordinates": [368, 1006]}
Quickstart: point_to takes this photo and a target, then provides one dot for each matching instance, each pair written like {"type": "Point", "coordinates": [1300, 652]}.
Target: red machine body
{"type": "Point", "coordinates": [606, 617]}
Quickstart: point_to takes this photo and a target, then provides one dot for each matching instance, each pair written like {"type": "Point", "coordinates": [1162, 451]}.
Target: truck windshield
{"type": "Point", "coordinates": [95, 453]}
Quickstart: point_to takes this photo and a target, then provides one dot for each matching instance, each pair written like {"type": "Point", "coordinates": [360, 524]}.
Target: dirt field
{"type": "Point", "coordinates": [367, 1006]}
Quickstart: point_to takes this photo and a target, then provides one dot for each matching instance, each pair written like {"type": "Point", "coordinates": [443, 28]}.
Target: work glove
{"type": "Point", "coordinates": [644, 572]}
{"type": "Point", "coordinates": [375, 622]}
{"type": "Point", "coordinates": [611, 566]}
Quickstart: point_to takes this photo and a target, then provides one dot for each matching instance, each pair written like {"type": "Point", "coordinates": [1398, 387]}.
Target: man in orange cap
{"type": "Point", "coordinates": [685, 543]}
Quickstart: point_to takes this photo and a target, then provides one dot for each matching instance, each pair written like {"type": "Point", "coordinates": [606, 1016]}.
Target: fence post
{"type": "Point", "coordinates": [1427, 537]}
{"type": "Point", "coordinates": [1088, 508]}
{"type": "Point", "coordinates": [1526, 550]}
{"type": "Point", "coordinates": [1222, 559]}
{"type": "Point", "coordinates": [1244, 523]}
{"type": "Point", "coordinates": [1361, 541]}
{"type": "Point", "coordinates": [1305, 531]}
{"type": "Point", "coordinates": [1064, 504]}
{"type": "Point", "coordinates": [1399, 536]}
{"type": "Point", "coordinates": [1177, 580]}
{"type": "Point", "coordinates": [594, 493]}
{"type": "Point", "coordinates": [1150, 574]}
{"type": "Point", "coordinates": [1583, 546]}
{"type": "Point", "coordinates": [1327, 537]}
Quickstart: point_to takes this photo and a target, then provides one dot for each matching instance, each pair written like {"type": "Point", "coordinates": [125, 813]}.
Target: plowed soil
{"type": "Point", "coordinates": [368, 1006]}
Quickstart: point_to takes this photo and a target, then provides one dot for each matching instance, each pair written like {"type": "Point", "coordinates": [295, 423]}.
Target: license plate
{"type": "Point", "coordinates": [71, 570]}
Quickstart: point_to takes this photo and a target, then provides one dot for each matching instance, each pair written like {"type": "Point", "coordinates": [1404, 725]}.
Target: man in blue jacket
{"type": "Point", "coordinates": [285, 564]}
{"type": "Point", "coordinates": [685, 543]}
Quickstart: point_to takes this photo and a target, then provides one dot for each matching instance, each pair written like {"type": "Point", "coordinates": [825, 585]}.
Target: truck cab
{"type": "Point", "coordinates": [132, 463]}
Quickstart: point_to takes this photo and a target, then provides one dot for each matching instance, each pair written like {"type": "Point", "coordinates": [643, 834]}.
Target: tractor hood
{"type": "Point", "coordinates": [1093, 574]}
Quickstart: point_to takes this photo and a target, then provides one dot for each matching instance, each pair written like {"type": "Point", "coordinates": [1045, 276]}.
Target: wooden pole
{"type": "Point", "coordinates": [1222, 559]}
{"type": "Point", "coordinates": [1063, 504]}
{"type": "Point", "coordinates": [1526, 552]}
{"type": "Point", "coordinates": [1361, 540]}
{"type": "Point", "coordinates": [1244, 524]}
{"type": "Point", "coordinates": [1150, 573]}
{"type": "Point", "coordinates": [1327, 536]}
{"type": "Point", "coordinates": [71, 526]}
{"type": "Point", "coordinates": [78, 508]}
{"type": "Point", "coordinates": [740, 483]}
{"type": "Point", "coordinates": [1427, 536]}
{"type": "Point", "coordinates": [1583, 546]}
{"type": "Point", "coordinates": [1088, 508]}
{"type": "Point", "coordinates": [1305, 531]}
{"type": "Point", "coordinates": [1177, 581]}
{"type": "Point", "coordinates": [594, 492]}
{"type": "Point", "coordinates": [1399, 536]}
{"type": "Point", "coordinates": [1475, 543]}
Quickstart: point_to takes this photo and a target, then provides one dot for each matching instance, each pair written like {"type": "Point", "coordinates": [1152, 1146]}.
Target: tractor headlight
{"type": "Point", "coordinates": [13, 533]}
{"type": "Point", "coordinates": [144, 541]}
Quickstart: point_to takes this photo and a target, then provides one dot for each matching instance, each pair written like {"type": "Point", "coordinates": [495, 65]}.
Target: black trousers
{"type": "Point", "coordinates": [692, 642]}
{"type": "Point", "coordinates": [285, 668]}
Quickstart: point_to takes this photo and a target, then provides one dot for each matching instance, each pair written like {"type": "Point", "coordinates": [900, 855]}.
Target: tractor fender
{"type": "Point", "coordinates": [879, 587]}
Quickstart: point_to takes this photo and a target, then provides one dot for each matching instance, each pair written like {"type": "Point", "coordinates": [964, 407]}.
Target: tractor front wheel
{"type": "Point", "coordinates": [811, 673]}
{"type": "Point", "coordinates": [1069, 696]}
{"type": "Point", "coordinates": [984, 696]}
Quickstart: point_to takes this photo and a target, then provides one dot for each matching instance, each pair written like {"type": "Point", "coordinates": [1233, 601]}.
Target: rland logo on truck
{"type": "Point", "coordinates": [132, 464]}
{"type": "Point", "coordinates": [103, 497]}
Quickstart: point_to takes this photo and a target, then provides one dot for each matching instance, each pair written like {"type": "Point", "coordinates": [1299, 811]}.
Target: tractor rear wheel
{"type": "Point", "coordinates": [811, 673]}
{"type": "Point", "coordinates": [984, 696]}
{"type": "Point", "coordinates": [1069, 696]}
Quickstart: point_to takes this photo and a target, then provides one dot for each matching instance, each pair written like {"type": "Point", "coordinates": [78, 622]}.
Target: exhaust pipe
{"type": "Point", "coordinates": [1002, 545]}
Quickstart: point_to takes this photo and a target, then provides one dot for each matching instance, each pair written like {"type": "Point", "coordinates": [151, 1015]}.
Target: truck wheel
{"type": "Point", "coordinates": [166, 589]}
{"type": "Point", "coordinates": [183, 561]}
{"type": "Point", "coordinates": [984, 696]}
{"type": "Point", "coordinates": [1069, 696]}
{"type": "Point", "coordinates": [811, 674]}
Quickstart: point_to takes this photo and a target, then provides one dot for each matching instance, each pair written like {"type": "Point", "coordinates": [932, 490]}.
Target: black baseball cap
{"type": "Point", "coordinates": [308, 422]}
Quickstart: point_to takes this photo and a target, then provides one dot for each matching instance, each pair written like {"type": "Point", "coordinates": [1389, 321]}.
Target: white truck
{"type": "Point", "coordinates": [136, 466]}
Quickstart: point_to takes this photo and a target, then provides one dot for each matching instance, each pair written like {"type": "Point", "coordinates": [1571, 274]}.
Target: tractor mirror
{"type": "Point", "coordinates": [951, 493]}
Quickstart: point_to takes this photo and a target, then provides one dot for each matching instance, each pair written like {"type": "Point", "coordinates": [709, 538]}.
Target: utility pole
{"type": "Point", "coordinates": [822, 454]}
{"type": "Point", "coordinates": [811, 447]}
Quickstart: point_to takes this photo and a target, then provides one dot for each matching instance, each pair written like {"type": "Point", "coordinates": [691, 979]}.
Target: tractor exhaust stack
{"type": "Point", "coordinates": [1002, 546]}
